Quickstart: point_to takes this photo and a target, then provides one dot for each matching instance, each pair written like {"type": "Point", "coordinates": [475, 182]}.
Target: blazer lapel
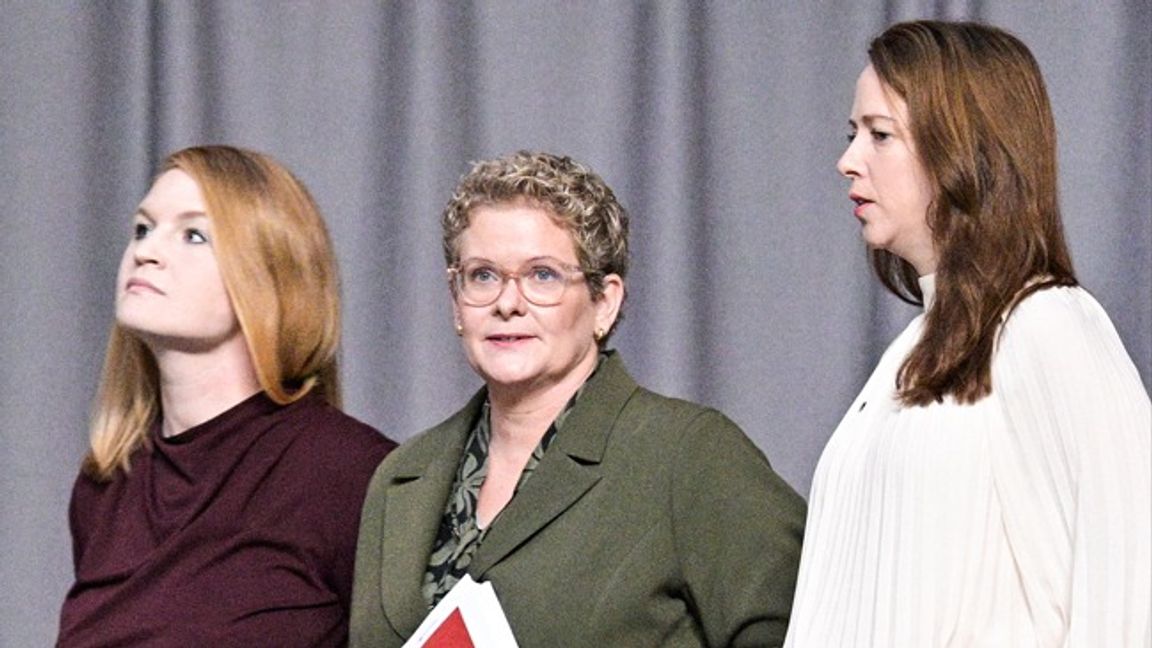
{"type": "Point", "coordinates": [551, 490]}
{"type": "Point", "coordinates": [414, 506]}
{"type": "Point", "coordinates": [569, 469]}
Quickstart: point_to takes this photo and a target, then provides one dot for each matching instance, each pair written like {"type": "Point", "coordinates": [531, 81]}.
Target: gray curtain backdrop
{"type": "Point", "coordinates": [717, 123]}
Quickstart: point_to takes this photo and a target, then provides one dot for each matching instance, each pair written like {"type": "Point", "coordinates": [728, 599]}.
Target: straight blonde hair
{"type": "Point", "coordinates": [276, 261]}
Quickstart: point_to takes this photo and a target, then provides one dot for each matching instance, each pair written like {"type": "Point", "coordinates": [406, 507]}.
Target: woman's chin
{"type": "Point", "coordinates": [509, 375]}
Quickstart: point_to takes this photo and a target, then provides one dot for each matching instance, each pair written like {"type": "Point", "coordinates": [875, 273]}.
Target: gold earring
{"type": "Point", "coordinates": [459, 329]}
{"type": "Point", "coordinates": [599, 334]}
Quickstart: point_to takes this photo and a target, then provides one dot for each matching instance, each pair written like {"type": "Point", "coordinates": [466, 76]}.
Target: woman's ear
{"type": "Point", "coordinates": [608, 304]}
{"type": "Point", "coordinates": [457, 321]}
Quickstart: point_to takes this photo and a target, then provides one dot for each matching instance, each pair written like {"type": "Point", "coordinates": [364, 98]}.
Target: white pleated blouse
{"type": "Point", "coordinates": [1022, 520]}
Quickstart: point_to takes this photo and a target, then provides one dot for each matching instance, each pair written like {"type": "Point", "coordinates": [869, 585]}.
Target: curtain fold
{"type": "Point", "coordinates": [718, 125]}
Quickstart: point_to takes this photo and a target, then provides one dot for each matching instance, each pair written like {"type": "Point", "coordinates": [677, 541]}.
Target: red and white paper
{"type": "Point", "coordinates": [469, 616]}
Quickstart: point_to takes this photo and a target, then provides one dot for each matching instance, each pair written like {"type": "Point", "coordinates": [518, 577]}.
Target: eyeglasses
{"type": "Point", "coordinates": [479, 282]}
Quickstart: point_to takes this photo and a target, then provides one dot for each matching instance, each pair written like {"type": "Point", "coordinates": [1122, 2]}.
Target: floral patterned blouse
{"type": "Point", "coordinates": [459, 536]}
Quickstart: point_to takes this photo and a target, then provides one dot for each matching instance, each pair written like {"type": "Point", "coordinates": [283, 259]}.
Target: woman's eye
{"type": "Point", "coordinates": [880, 136]}
{"type": "Point", "coordinates": [193, 235]}
{"type": "Point", "coordinates": [545, 274]}
{"type": "Point", "coordinates": [139, 231]}
{"type": "Point", "coordinates": [851, 136]}
{"type": "Point", "coordinates": [482, 275]}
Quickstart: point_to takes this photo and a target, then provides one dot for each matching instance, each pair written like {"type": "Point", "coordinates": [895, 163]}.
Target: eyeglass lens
{"type": "Point", "coordinates": [541, 281]}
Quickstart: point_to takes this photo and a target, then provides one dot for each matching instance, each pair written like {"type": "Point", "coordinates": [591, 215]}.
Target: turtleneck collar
{"type": "Point", "coordinates": [928, 289]}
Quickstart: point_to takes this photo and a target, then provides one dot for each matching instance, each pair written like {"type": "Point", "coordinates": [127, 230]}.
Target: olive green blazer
{"type": "Point", "coordinates": [650, 521]}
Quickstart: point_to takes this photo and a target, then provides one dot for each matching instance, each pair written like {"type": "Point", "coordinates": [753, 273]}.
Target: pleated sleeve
{"type": "Point", "coordinates": [1073, 471]}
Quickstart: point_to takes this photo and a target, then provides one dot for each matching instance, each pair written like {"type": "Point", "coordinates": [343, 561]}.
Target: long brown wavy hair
{"type": "Point", "coordinates": [982, 124]}
{"type": "Point", "coordinates": [276, 260]}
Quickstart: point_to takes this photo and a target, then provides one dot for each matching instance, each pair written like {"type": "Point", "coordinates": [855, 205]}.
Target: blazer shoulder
{"type": "Point", "coordinates": [675, 413]}
{"type": "Point", "coordinates": [422, 448]}
{"type": "Point", "coordinates": [415, 455]}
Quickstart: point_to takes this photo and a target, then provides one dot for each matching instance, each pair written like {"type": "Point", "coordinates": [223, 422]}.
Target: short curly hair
{"type": "Point", "coordinates": [575, 196]}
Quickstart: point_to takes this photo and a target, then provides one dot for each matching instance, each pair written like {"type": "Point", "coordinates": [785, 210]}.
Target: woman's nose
{"type": "Point", "coordinates": [511, 300]}
{"type": "Point", "coordinates": [146, 250]}
{"type": "Point", "coordinates": [849, 164]}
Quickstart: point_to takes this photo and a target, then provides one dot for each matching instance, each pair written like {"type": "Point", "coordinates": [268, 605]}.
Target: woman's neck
{"type": "Point", "coordinates": [521, 417]}
{"type": "Point", "coordinates": [195, 387]}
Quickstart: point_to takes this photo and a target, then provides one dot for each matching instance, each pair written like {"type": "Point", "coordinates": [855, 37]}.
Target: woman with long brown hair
{"type": "Point", "coordinates": [990, 486]}
{"type": "Point", "coordinates": [219, 503]}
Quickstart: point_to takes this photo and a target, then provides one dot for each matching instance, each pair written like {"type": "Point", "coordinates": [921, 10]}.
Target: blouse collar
{"type": "Point", "coordinates": [928, 289]}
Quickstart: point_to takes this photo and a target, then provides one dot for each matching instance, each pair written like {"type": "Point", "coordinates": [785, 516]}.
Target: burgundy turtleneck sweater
{"type": "Point", "coordinates": [238, 532]}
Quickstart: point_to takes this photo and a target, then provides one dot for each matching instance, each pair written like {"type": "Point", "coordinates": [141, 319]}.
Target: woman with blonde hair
{"type": "Point", "coordinates": [220, 499]}
{"type": "Point", "coordinates": [990, 485]}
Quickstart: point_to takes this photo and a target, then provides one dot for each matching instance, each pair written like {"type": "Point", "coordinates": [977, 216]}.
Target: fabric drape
{"type": "Point", "coordinates": [718, 125]}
